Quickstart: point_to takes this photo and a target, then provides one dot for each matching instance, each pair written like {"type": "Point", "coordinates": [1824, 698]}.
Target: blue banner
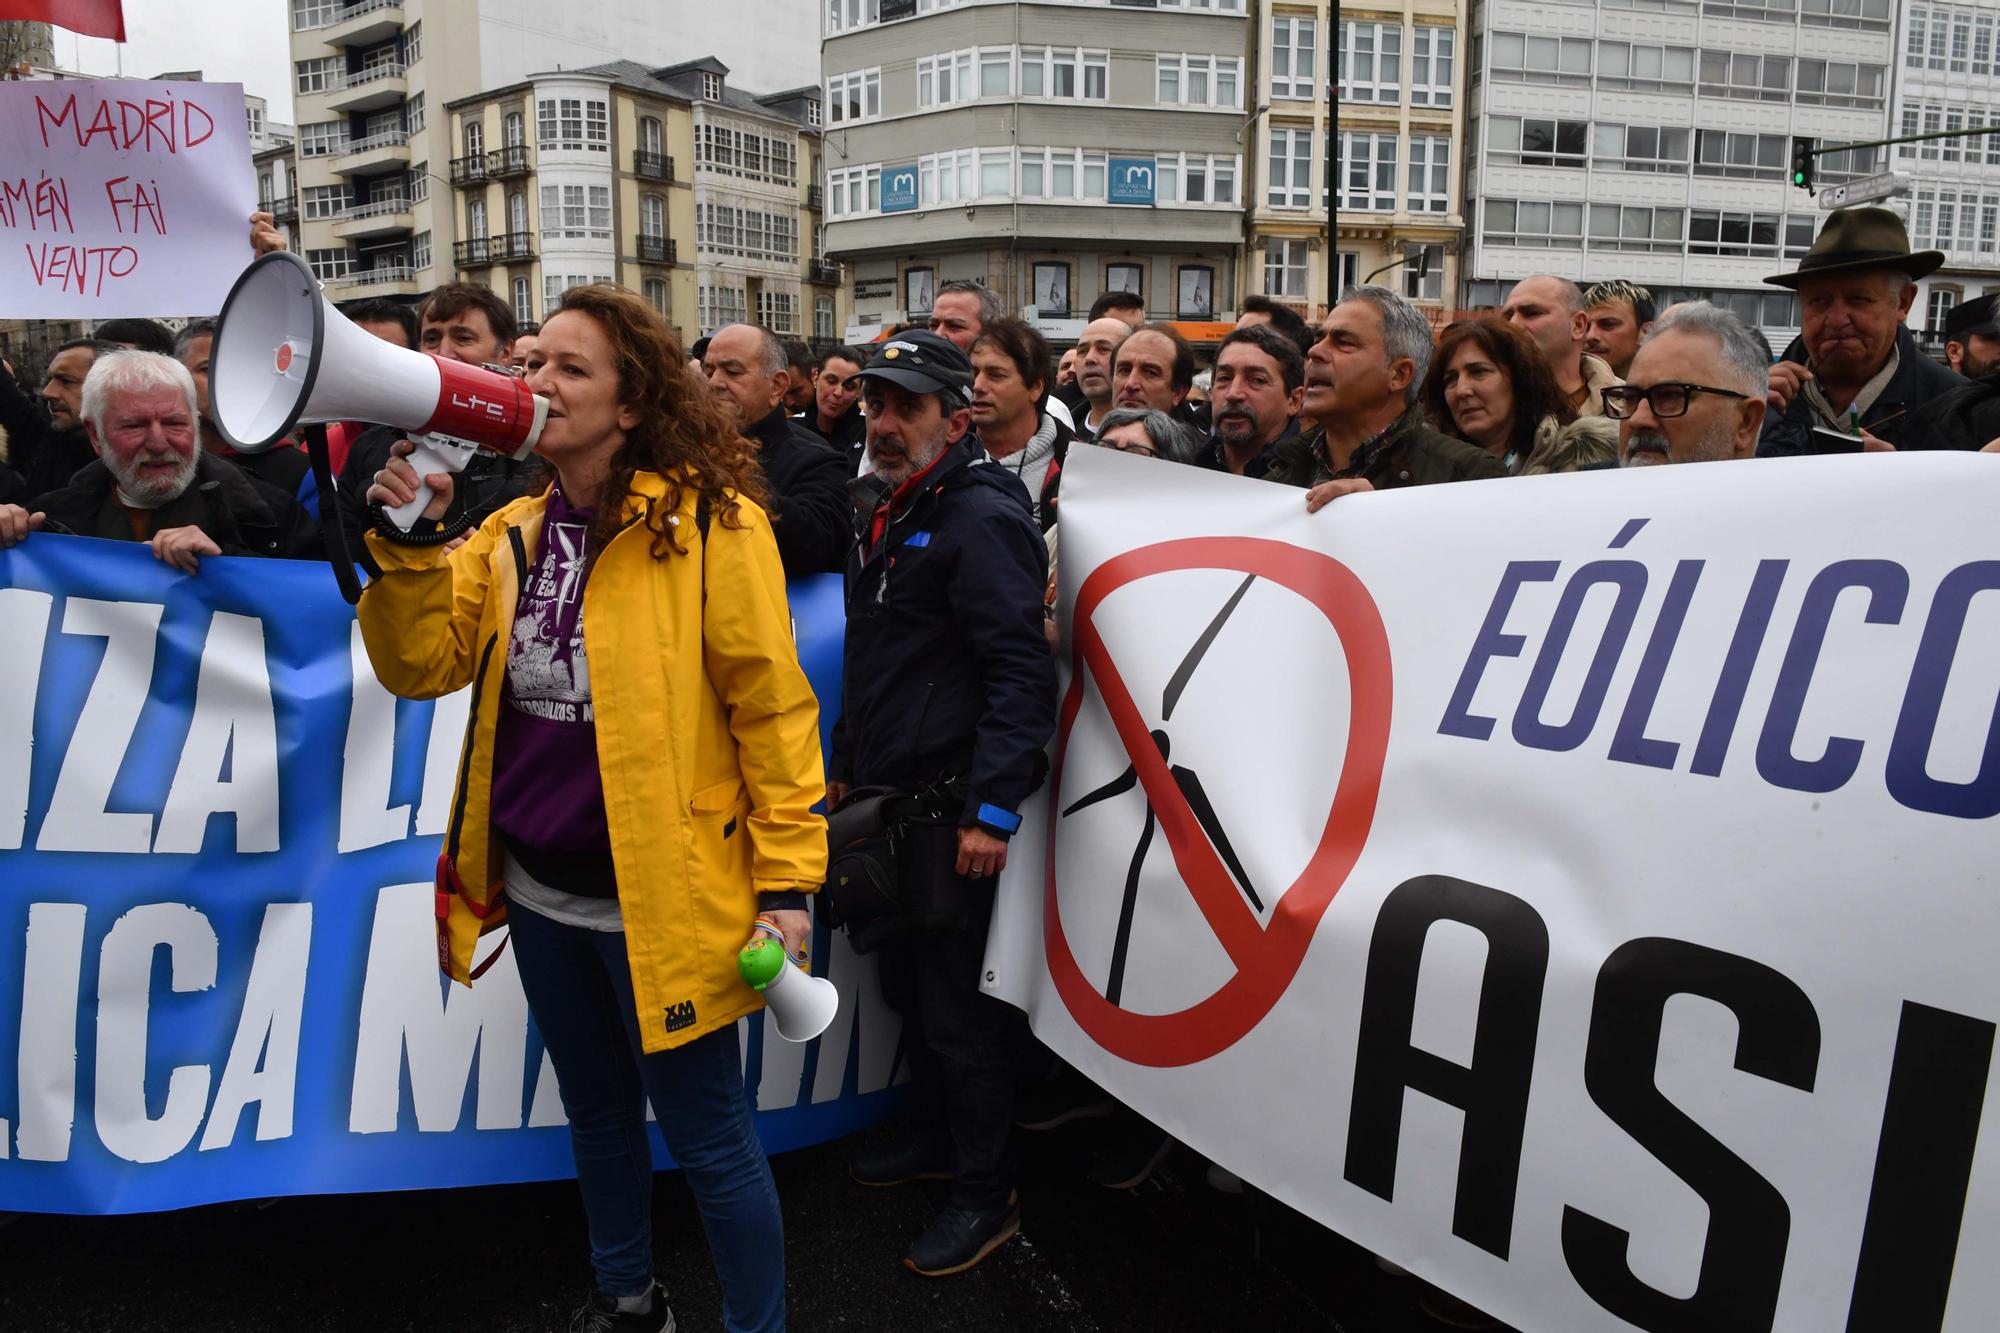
{"type": "Point", "coordinates": [1131, 181]}
{"type": "Point", "coordinates": [899, 189]}
{"type": "Point", "coordinates": [217, 973]}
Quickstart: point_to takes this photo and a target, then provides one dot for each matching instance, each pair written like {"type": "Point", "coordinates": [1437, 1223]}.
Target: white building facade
{"type": "Point", "coordinates": [1650, 141]}
{"type": "Point", "coordinates": [1949, 79]}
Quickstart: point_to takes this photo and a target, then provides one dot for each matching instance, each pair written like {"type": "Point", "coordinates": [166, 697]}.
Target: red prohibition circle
{"type": "Point", "coordinates": [1266, 957]}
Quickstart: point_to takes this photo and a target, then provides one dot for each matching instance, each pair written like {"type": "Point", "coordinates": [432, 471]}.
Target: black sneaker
{"type": "Point", "coordinates": [958, 1238]}
{"type": "Point", "coordinates": [1060, 1100]}
{"type": "Point", "coordinates": [1130, 1164]}
{"type": "Point", "coordinates": [898, 1162]}
{"type": "Point", "coordinates": [600, 1314]}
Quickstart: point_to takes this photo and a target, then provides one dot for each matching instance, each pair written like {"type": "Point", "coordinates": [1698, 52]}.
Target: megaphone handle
{"type": "Point", "coordinates": [433, 454]}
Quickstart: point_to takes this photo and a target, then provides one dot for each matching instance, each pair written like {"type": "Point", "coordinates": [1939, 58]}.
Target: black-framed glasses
{"type": "Point", "coordinates": [1666, 400]}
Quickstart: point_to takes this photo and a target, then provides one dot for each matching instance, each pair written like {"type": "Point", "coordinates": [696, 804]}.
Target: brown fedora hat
{"type": "Point", "coordinates": [1861, 238]}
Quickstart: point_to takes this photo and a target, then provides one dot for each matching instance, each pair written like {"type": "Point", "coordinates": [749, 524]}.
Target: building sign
{"type": "Point", "coordinates": [899, 189]}
{"type": "Point", "coordinates": [1131, 180]}
{"type": "Point", "coordinates": [874, 289]}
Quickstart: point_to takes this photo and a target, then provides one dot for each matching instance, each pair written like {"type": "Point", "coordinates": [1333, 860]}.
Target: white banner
{"type": "Point", "coordinates": [1574, 889]}
{"type": "Point", "coordinates": [122, 197]}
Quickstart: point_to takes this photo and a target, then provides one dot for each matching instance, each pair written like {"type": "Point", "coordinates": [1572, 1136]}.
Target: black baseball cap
{"type": "Point", "coordinates": [1980, 316]}
{"type": "Point", "coordinates": [922, 362]}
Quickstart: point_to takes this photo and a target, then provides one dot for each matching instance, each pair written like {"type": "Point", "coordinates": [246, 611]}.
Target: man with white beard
{"type": "Point", "coordinates": [152, 481]}
{"type": "Point", "coordinates": [1695, 391]}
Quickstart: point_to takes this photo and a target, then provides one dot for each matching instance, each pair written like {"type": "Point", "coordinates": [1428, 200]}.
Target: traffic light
{"type": "Point", "coordinates": [1802, 161]}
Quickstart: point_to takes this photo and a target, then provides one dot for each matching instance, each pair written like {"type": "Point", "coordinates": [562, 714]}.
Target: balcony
{"type": "Point", "coordinates": [823, 271]}
{"type": "Point", "coordinates": [382, 275]}
{"type": "Point", "coordinates": [377, 217]}
{"type": "Point", "coordinates": [281, 210]}
{"type": "Point", "coordinates": [364, 23]}
{"type": "Point", "coordinates": [473, 253]}
{"type": "Point", "coordinates": [378, 153]}
{"type": "Point", "coordinates": [470, 170]}
{"type": "Point", "coordinates": [816, 198]}
{"type": "Point", "coordinates": [505, 163]}
{"type": "Point", "coordinates": [369, 89]}
{"type": "Point", "coordinates": [656, 250]}
{"type": "Point", "coordinates": [652, 166]}
{"type": "Point", "coordinates": [513, 245]}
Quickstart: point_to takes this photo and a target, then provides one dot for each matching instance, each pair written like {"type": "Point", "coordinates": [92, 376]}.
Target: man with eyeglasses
{"type": "Point", "coordinates": [1694, 392]}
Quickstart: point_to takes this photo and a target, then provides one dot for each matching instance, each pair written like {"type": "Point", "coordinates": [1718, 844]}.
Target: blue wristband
{"type": "Point", "coordinates": [994, 817]}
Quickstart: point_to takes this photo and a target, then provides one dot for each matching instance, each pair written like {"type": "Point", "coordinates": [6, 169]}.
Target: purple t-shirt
{"type": "Point", "coordinates": [547, 791]}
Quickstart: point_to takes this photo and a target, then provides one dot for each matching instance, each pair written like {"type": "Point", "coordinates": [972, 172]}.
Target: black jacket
{"type": "Point", "coordinates": [807, 480]}
{"type": "Point", "coordinates": [1967, 417]}
{"type": "Point", "coordinates": [240, 514]}
{"type": "Point", "coordinates": [1917, 381]}
{"type": "Point", "coordinates": [286, 467]}
{"type": "Point", "coordinates": [848, 438]}
{"type": "Point", "coordinates": [1413, 453]}
{"type": "Point", "coordinates": [45, 458]}
{"type": "Point", "coordinates": [947, 673]}
{"type": "Point", "coordinates": [488, 484]}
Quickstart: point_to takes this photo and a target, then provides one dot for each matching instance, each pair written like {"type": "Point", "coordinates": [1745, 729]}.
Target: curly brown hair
{"type": "Point", "coordinates": [1534, 384]}
{"type": "Point", "coordinates": [681, 431]}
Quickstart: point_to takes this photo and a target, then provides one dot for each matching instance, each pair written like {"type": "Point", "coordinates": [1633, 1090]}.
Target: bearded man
{"type": "Point", "coordinates": [949, 689]}
{"type": "Point", "coordinates": [152, 481]}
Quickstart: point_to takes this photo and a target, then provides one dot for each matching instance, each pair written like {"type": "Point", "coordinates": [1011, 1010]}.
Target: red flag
{"type": "Point", "coordinates": [93, 18]}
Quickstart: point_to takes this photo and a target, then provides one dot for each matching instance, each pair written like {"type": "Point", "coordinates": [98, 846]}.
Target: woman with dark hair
{"type": "Point", "coordinates": [632, 860]}
{"type": "Point", "coordinates": [1489, 386]}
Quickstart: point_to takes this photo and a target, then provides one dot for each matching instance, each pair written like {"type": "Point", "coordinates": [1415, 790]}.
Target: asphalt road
{"type": "Point", "coordinates": [1171, 1255]}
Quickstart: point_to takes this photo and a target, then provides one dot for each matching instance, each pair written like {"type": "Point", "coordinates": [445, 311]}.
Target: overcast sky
{"type": "Point", "coordinates": [229, 41]}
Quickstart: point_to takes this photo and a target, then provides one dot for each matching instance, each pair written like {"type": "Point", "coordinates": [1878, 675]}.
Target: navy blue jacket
{"type": "Point", "coordinates": [947, 672]}
{"type": "Point", "coordinates": [1917, 381]}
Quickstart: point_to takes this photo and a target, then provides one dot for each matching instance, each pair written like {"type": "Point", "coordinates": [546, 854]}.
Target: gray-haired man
{"type": "Point", "coordinates": [1696, 390]}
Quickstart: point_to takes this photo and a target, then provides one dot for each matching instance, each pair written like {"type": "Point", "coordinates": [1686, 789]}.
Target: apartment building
{"type": "Point", "coordinates": [1949, 80]}
{"type": "Point", "coordinates": [1650, 140]}
{"type": "Point", "coordinates": [1052, 151]}
{"type": "Point", "coordinates": [378, 213]}
{"type": "Point", "coordinates": [670, 181]}
{"type": "Point", "coordinates": [1397, 183]}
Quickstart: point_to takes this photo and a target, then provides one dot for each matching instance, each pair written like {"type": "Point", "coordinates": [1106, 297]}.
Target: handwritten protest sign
{"type": "Point", "coordinates": [122, 197]}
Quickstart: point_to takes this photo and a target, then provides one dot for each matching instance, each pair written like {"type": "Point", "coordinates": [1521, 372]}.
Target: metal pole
{"type": "Point", "coordinates": [1332, 154]}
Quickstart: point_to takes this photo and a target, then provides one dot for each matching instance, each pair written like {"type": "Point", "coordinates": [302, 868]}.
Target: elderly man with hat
{"type": "Point", "coordinates": [949, 692]}
{"type": "Point", "coordinates": [1857, 367]}
{"type": "Point", "coordinates": [1972, 337]}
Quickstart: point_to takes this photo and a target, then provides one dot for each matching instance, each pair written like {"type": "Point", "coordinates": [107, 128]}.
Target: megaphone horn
{"type": "Point", "coordinates": [283, 355]}
{"type": "Point", "coordinates": [800, 1004]}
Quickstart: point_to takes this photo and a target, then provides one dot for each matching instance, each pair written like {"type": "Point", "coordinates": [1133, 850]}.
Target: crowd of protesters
{"type": "Point", "coordinates": [927, 469]}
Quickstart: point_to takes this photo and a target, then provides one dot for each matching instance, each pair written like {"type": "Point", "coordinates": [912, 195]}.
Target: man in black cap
{"type": "Point", "coordinates": [949, 689]}
{"type": "Point", "coordinates": [1972, 337]}
{"type": "Point", "coordinates": [1857, 366]}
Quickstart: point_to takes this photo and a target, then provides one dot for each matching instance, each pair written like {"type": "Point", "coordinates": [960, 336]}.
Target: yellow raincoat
{"type": "Point", "coordinates": [707, 736]}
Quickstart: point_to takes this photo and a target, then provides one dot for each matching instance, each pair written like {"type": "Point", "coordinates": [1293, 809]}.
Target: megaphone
{"type": "Point", "coordinates": [801, 1005]}
{"type": "Point", "coordinates": [283, 355]}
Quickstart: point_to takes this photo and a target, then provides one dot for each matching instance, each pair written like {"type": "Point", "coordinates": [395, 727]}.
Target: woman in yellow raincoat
{"type": "Point", "coordinates": [634, 796]}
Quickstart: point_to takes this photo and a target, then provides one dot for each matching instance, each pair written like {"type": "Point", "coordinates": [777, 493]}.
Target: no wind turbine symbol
{"type": "Point", "coordinates": [1265, 955]}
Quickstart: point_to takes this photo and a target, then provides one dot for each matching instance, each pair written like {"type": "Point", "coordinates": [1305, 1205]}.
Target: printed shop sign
{"type": "Point", "coordinates": [1578, 890]}
{"type": "Point", "coordinates": [122, 197]}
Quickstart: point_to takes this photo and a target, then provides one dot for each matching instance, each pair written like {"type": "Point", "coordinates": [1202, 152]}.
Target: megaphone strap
{"type": "Point", "coordinates": [424, 532]}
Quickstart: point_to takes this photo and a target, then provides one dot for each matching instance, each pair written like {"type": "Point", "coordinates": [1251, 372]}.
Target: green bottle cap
{"type": "Point", "coordinates": [760, 961]}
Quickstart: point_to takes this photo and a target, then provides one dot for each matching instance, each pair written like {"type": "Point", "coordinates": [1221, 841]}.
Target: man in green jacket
{"type": "Point", "coordinates": [1368, 433]}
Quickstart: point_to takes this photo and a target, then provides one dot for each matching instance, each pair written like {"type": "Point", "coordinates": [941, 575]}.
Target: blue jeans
{"type": "Point", "coordinates": [579, 989]}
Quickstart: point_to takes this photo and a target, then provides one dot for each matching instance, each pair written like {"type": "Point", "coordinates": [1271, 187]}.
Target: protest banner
{"type": "Point", "coordinates": [218, 976]}
{"type": "Point", "coordinates": [1578, 890]}
{"type": "Point", "coordinates": [122, 197]}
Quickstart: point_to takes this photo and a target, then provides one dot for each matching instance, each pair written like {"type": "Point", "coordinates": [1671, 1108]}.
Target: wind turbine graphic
{"type": "Point", "coordinates": [1191, 790]}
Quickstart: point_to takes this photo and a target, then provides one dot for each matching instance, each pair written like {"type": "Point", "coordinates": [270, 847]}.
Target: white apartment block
{"type": "Point", "coordinates": [1949, 79]}
{"type": "Point", "coordinates": [1650, 140]}
{"type": "Point", "coordinates": [1399, 186]}
{"type": "Point", "coordinates": [372, 78]}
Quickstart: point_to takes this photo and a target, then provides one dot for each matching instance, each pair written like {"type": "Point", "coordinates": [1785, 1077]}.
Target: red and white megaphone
{"type": "Point", "coordinates": [283, 355]}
